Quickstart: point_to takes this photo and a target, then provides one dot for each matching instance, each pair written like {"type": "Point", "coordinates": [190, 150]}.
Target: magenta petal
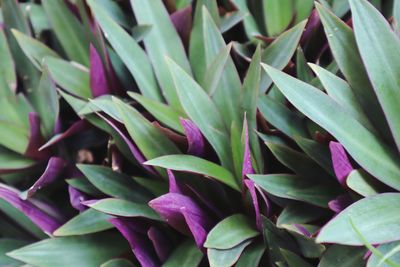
{"type": "Point", "coordinates": [35, 139]}
{"type": "Point", "coordinates": [76, 127]}
{"type": "Point", "coordinates": [341, 163]}
{"type": "Point", "coordinates": [134, 150]}
{"type": "Point", "coordinates": [302, 230]}
{"type": "Point", "coordinates": [76, 198]}
{"type": "Point", "coordinates": [340, 203]}
{"type": "Point", "coordinates": [252, 189]}
{"type": "Point", "coordinates": [98, 76]}
{"type": "Point", "coordinates": [173, 185]}
{"type": "Point", "coordinates": [182, 20]}
{"type": "Point", "coordinates": [54, 168]}
{"type": "Point", "coordinates": [183, 214]}
{"type": "Point", "coordinates": [140, 245]}
{"type": "Point", "coordinates": [247, 166]}
{"type": "Point", "coordinates": [161, 244]}
{"type": "Point", "coordinates": [264, 197]}
{"type": "Point", "coordinates": [194, 137]}
{"type": "Point", "coordinates": [43, 220]}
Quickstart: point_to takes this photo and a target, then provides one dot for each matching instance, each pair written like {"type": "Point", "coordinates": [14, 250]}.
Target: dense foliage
{"type": "Point", "coordinates": [200, 133]}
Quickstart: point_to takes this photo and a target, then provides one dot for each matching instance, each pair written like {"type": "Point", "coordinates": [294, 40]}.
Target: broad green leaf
{"type": "Point", "coordinates": [230, 232]}
{"type": "Point", "coordinates": [390, 252]}
{"type": "Point", "coordinates": [226, 257]}
{"type": "Point", "coordinates": [102, 103]}
{"type": "Point", "coordinates": [362, 183]}
{"type": "Point", "coordinates": [140, 31]}
{"type": "Point", "coordinates": [344, 49]}
{"type": "Point", "coordinates": [203, 112]}
{"type": "Point", "coordinates": [87, 250]}
{"type": "Point", "coordinates": [116, 13]}
{"type": "Point", "coordinates": [340, 7]}
{"type": "Point", "coordinates": [249, 100]}
{"type": "Point", "coordinates": [45, 101]}
{"type": "Point", "coordinates": [237, 147]}
{"type": "Point", "coordinates": [231, 19]}
{"type": "Point", "coordinates": [341, 92]}
{"type": "Point", "coordinates": [185, 255]}
{"type": "Point", "coordinates": [320, 153]}
{"type": "Point", "coordinates": [150, 140]}
{"type": "Point", "coordinates": [6, 245]}
{"type": "Point", "coordinates": [163, 113]}
{"type": "Point", "coordinates": [68, 30]}
{"type": "Point", "coordinates": [197, 53]}
{"type": "Point", "coordinates": [380, 51]}
{"type": "Point", "coordinates": [72, 78]}
{"type": "Point", "coordinates": [307, 245]}
{"type": "Point", "coordinates": [376, 158]}
{"type": "Point", "coordinates": [278, 15]}
{"type": "Point", "coordinates": [284, 119]}
{"type": "Point", "coordinates": [36, 51]}
{"type": "Point", "coordinates": [115, 184]}
{"type": "Point", "coordinates": [129, 51]}
{"type": "Point", "coordinates": [87, 222]}
{"type": "Point", "coordinates": [343, 256]}
{"type": "Point", "coordinates": [118, 263]}
{"type": "Point", "coordinates": [7, 68]}
{"type": "Point", "coordinates": [10, 160]}
{"type": "Point", "coordinates": [37, 17]}
{"type": "Point", "coordinates": [293, 260]}
{"type": "Point", "coordinates": [296, 188]}
{"type": "Point", "coordinates": [376, 218]}
{"type": "Point", "coordinates": [124, 208]}
{"type": "Point", "coordinates": [14, 19]}
{"type": "Point", "coordinates": [229, 80]}
{"type": "Point", "coordinates": [214, 71]}
{"type": "Point", "coordinates": [84, 185]}
{"type": "Point", "coordinates": [303, 72]}
{"type": "Point", "coordinates": [303, 9]}
{"type": "Point", "coordinates": [250, 24]}
{"type": "Point", "coordinates": [299, 213]}
{"type": "Point", "coordinates": [251, 256]}
{"type": "Point", "coordinates": [280, 52]}
{"type": "Point", "coordinates": [396, 16]}
{"type": "Point", "coordinates": [156, 187]}
{"type": "Point", "coordinates": [161, 42]}
{"type": "Point", "coordinates": [298, 162]}
{"type": "Point", "coordinates": [196, 165]}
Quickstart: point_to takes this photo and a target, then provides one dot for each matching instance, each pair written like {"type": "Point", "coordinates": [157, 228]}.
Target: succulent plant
{"type": "Point", "coordinates": [199, 133]}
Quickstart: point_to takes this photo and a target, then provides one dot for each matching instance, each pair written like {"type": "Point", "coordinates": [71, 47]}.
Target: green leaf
{"type": "Point", "coordinates": [185, 255]}
{"type": "Point", "coordinates": [161, 42]}
{"type": "Point", "coordinates": [344, 49]}
{"type": "Point", "coordinates": [45, 101]}
{"type": "Point", "coordinates": [124, 208]}
{"type": "Point", "coordinates": [87, 222]}
{"type": "Point", "coordinates": [7, 245]}
{"type": "Point", "coordinates": [299, 213]}
{"type": "Point", "coordinates": [203, 112]}
{"type": "Point", "coordinates": [293, 260]}
{"type": "Point", "coordinates": [344, 256]}
{"type": "Point", "coordinates": [249, 100]}
{"type": "Point", "coordinates": [118, 263]}
{"type": "Point", "coordinates": [114, 184]}
{"type": "Point", "coordinates": [303, 72]}
{"type": "Point", "coordinates": [150, 140]}
{"type": "Point", "coordinates": [362, 183]}
{"type": "Point", "coordinates": [380, 51]}
{"type": "Point", "coordinates": [284, 119]}
{"type": "Point", "coordinates": [68, 30]}
{"type": "Point", "coordinates": [303, 9]}
{"type": "Point", "coordinates": [10, 160]}
{"type": "Point", "coordinates": [340, 91]}
{"type": "Point", "coordinates": [83, 185]}
{"type": "Point", "coordinates": [375, 217]}
{"type": "Point", "coordinates": [36, 51]}
{"type": "Point", "coordinates": [214, 71]}
{"type": "Point", "coordinates": [72, 78]}
{"type": "Point", "coordinates": [320, 153]}
{"type": "Point", "coordinates": [229, 20]}
{"type": "Point", "coordinates": [116, 13]}
{"type": "Point", "coordinates": [129, 51]}
{"type": "Point", "coordinates": [376, 158]}
{"type": "Point", "coordinates": [250, 25]}
{"type": "Point", "coordinates": [196, 165]}
{"type": "Point", "coordinates": [279, 53]}
{"type": "Point", "coordinates": [251, 256]}
{"type": "Point", "coordinates": [230, 232]}
{"type": "Point", "coordinates": [390, 252]}
{"type": "Point", "coordinates": [278, 15]}
{"type": "Point", "coordinates": [87, 250]}
{"type": "Point", "coordinates": [197, 53]}
{"type": "Point", "coordinates": [296, 188]}
{"type": "Point", "coordinates": [226, 257]}
{"type": "Point", "coordinates": [163, 113]}
{"type": "Point", "coordinates": [7, 65]}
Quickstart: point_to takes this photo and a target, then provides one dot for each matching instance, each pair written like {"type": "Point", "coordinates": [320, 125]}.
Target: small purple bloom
{"type": "Point", "coordinates": [161, 244]}
{"type": "Point", "coordinates": [76, 198]}
{"type": "Point", "coordinates": [194, 137]}
{"type": "Point", "coordinates": [340, 203]}
{"type": "Point", "coordinates": [341, 162]}
{"type": "Point", "coordinates": [98, 74]}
